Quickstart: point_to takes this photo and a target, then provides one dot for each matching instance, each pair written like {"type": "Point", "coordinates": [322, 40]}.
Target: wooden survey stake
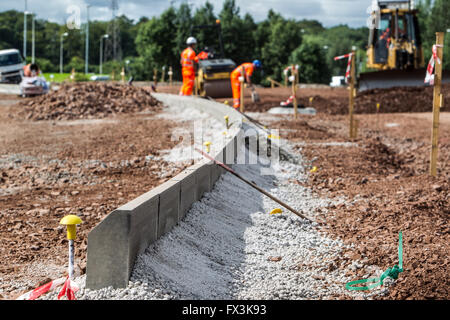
{"type": "Point", "coordinates": [294, 90]}
{"type": "Point", "coordinates": [242, 89]}
{"type": "Point", "coordinates": [352, 94]}
{"type": "Point", "coordinates": [437, 102]}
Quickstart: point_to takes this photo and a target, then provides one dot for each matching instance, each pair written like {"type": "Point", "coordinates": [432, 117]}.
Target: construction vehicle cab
{"type": "Point", "coordinates": [213, 75]}
{"type": "Point", "coordinates": [395, 48]}
{"type": "Point", "coordinates": [396, 43]}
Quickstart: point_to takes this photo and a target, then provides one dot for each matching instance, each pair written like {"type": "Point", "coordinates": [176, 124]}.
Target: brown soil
{"type": "Point", "coordinates": [49, 169]}
{"type": "Point", "coordinates": [52, 168]}
{"type": "Point", "coordinates": [334, 101]}
{"type": "Point", "coordinates": [89, 100]}
{"type": "Point", "coordinates": [386, 174]}
{"type": "Point", "coordinates": [407, 99]}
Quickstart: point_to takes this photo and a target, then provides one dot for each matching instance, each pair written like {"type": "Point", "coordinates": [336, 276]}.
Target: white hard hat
{"type": "Point", "coordinates": [191, 40]}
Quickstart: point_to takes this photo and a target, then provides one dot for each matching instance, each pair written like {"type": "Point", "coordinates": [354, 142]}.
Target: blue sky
{"type": "Point", "coordinates": [328, 12]}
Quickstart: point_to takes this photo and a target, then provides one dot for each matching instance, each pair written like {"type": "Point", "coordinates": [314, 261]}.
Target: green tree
{"type": "Point", "coordinates": [183, 26]}
{"type": "Point", "coordinates": [155, 43]}
{"type": "Point", "coordinates": [283, 38]}
{"type": "Point", "coordinates": [311, 58]}
{"type": "Point", "coordinates": [205, 16]}
{"type": "Point", "coordinates": [439, 21]}
{"type": "Point", "coordinates": [75, 63]}
{"type": "Point", "coordinates": [238, 37]}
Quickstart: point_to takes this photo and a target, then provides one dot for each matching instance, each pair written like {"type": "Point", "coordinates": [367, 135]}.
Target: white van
{"type": "Point", "coordinates": [11, 66]}
{"type": "Point", "coordinates": [338, 81]}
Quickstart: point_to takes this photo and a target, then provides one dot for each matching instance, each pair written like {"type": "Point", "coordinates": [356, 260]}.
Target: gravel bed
{"type": "Point", "coordinates": [230, 247]}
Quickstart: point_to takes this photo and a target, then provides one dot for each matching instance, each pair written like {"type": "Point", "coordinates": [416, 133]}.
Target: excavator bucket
{"type": "Point", "coordinates": [396, 78]}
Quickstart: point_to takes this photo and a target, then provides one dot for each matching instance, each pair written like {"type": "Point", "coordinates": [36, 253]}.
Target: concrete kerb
{"type": "Point", "coordinates": [120, 237]}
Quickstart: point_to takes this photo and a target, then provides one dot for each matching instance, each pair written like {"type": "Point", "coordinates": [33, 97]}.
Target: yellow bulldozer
{"type": "Point", "coordinates": [395, 48]}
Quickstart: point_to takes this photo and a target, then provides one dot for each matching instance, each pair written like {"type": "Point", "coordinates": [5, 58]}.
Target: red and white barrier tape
{"type": "Point", "coordinates": [429, 78]}
{"type": "Point", "coordinates": [286, 70]}
{"type": "Point", "coordinates": [287, 102]}
{"type": "Point", "coordinates": [69, 289]}
{"type": "Point", "coordinates": [349, 64]}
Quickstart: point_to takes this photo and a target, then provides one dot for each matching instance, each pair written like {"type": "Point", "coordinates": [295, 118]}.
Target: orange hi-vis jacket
{"type": "Point", "coordinates": [27, 71]}
{"type": "Point", "coordinates": [243, 70]}
{"type": "Point", "coordinates": [203, 55]}
{"type": "Point", "coordinates": [188, 58]}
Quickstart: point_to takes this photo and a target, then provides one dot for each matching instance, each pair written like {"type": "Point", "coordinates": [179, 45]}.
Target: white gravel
{"type": "Point", "coordinates": [201, 127]}
{"type": "Point", "coordinates": [222, 249]}
{"type": "Point", "coordinates": [229, 247]}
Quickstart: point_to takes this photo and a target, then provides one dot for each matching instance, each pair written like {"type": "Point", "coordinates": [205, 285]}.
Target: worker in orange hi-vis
{"type": "Point", "coordinates": [188, 58]}
{"type": "Point", "coordinates": [244, 70]}
{"type": "Point", "coordinates": [31, 70]}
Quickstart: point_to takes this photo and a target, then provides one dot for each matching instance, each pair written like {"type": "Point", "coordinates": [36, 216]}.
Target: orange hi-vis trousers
{"type": "Point", "coordinates": [188, 81]}
{"type": "Point", "coordinates": [236, 87]}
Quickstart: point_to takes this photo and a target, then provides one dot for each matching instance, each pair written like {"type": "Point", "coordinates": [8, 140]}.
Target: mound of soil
{"type": "Point", "coordinates": [89, 100]}
{"type": "Point", "coordinates": [380, 157]}
{"type": "Point", "coordinates": [335, 101]}
{"type": "Point", "coordinates": [400, 99]}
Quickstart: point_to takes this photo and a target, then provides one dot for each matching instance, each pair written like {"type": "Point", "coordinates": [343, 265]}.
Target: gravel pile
{"type": "Point", "coordinates": [230, 247]}
{"type": "Point", "coordinates": [89, 100]}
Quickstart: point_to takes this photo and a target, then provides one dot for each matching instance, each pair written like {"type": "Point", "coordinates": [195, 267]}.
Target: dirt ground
{"type": "Point", "coordinates": [384, 173]}
{"type": "Point", "coordinates": [335, 100]}
{"type": "Point", "coordinates": [52, 168]}
{"type": "Point", "coordinates": [49, 169]}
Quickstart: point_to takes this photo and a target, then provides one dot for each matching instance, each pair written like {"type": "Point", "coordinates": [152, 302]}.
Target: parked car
{"type": "Point", "coordinates": [11, 66]}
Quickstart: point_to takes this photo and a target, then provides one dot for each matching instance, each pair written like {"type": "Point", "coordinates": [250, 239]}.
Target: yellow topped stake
{"type": "Point", "coordinates": [207, 144]}
{"type": "Point", "coordinates": [71, 222]}
{"type": "Point", "coordinates": [226, 120]}
{"type": "Point", "coordinates": [276, 210]}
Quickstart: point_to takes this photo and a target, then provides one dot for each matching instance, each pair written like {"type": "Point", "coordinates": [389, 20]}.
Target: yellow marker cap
{"type": "Point", "coordinates": [71, 221]}
{"type": "Point", "coordinates": [314, 169]}
{"type": "Point", "coordinates": [276, 210]}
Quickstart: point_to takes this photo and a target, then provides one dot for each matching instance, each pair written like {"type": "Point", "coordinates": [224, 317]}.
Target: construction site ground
{"type": "Point", "coordinates": [383, 175]}
{"type": "Point", "coordinates": [385, 172]}
{"type": "Point", "coordinates": [87, 167]}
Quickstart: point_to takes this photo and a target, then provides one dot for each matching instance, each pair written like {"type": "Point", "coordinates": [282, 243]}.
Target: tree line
{"type": "Point", "coordinates": [434, 16]}
{"type": "Point", "coordinates": [157, 42]}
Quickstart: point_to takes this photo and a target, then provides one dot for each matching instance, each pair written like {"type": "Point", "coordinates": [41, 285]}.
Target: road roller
{"type": "Point", "coordinates": [213, 74]}
{"type": "Point", "coordinates": [213, 78]}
